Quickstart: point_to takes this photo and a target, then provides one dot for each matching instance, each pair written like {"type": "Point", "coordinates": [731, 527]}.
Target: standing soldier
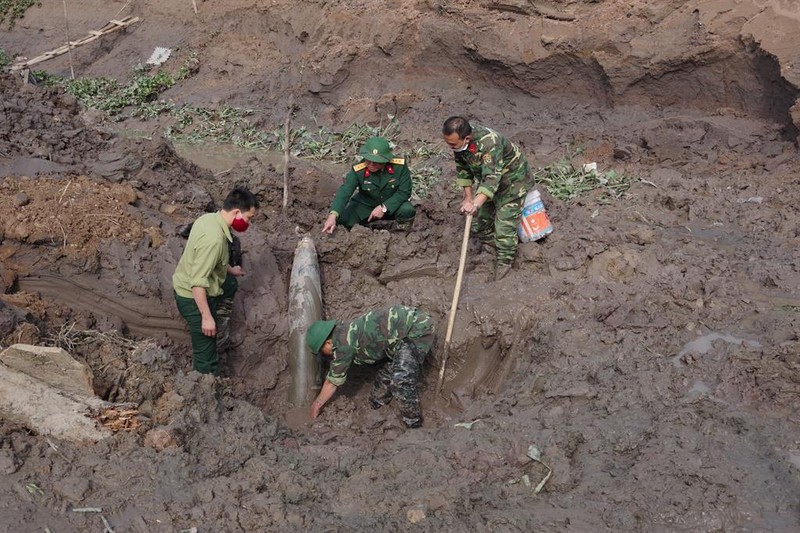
{"type": "Point", "coordinates": [398, 339]}
{"type": "Point", "coordinates": [384, 187]}
{"type": "Point", "coordinates": [499, 171]}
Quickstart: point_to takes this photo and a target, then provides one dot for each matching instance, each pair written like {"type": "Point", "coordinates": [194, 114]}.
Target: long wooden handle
{"type": "Point", "coordinates": [454, 305]}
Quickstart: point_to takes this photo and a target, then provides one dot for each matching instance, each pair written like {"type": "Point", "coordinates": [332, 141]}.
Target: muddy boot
{"type": "Point", "coordinates": [224, 312]}
{"type": "Point", "coordinates": [406, 369]}
{"type": "Point", "coordinates": [381, 393]}
{"type": "Point", "coordinates": [411, 414]}
{"type": "Point", "coordinates": [500, 270]}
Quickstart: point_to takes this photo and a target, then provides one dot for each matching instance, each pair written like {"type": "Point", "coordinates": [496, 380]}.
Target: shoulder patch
{"type": "Point", "coordinates": [359, 167]}
{"type": "Point", "coordinates": [397, 161]}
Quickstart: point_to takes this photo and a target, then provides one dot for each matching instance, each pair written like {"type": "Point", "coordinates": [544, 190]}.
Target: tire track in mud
{"type": "Point", "coordinates": [140, 315]}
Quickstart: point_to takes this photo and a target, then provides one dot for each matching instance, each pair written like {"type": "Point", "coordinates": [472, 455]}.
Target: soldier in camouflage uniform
{"type": "Point", "coordinates": [497, 169]}
{"type": "Point", "coordinates": [397, 339]}
{"type": "Point", "coordinates": [384, 188]}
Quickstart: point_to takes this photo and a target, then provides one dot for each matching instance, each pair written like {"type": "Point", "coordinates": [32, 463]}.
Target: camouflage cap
{"type": "Point", "coordinates": [377, 150]}
{"type": "Point", "coordinates": [318, 333]}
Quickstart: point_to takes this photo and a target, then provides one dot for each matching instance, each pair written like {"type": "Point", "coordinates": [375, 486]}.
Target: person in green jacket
{"type": "Point", "coordinates": [494, 175]}
{"type": "Point", "coordinates": [204, 278]}
{"type": "Point", "coordinates": [382, 186]}
{"type": "Point", "coordinates": [397, 339]}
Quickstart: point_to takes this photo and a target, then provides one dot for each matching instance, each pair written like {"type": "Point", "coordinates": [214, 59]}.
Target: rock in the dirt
{"type": "Point", "coordinates": [61, 408]}
{"type": "Point", "coordinates": [160, 438]}
{"type": "Point", "coordinates": [196, 198]}
{"type": "Point", "coordinates": [9, 318]}
{"type": "Point", "coordinates": [72, 488]}
{"type": "Point", "coordinates": [8, 462]}
{"type": "Point", "coordinates": [21, 199]}
{"type": "Point", "coordinates": [415, 516]}
{"type": "Point", "coordinates": [52, 366]}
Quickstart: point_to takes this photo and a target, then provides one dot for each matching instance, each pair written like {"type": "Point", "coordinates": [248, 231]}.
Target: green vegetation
{"type": "Point", "coordinates": [139, 94]}
{"type": "Point", "coordinates": [196, 124]}
{"type": "Point", "coordinates": [566, 179]}
{"type": "Point", "coordinates": [4, 59]}
{"type": "Point", "coordinates": [46, 79]}
{"type": "Point", "coordinates": [106, 94]}
{"type": "Point", "coordinates": [424, 179]}
{"type": "Point", "coordinates": [11, 10]}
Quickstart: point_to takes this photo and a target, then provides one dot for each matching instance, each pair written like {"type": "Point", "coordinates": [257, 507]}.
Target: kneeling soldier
{"type": "Point", "coordinates": [384, 188]}
{"type": "Point", "coordinates": [398, 339]}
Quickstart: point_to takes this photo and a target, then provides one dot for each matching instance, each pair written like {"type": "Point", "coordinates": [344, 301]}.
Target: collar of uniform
{"type": "Point", "coordinates": [226, 230]}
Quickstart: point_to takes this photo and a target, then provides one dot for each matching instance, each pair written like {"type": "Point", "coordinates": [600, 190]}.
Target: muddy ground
{"type": "Point", "coordinates": [648, 348]}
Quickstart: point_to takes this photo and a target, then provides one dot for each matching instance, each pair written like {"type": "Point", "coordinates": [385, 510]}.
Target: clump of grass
{"type": "Point", "coordinates": [108, 95]}
{"type": "Point", "coordinates": [11, 10]}
{"type": "Point", "coordinates": [4, 59]}
{"type": "Point", "coordinates": [69, 338]}
{"type": "Point", "coordinates": [140, 93]}
{"type": "Point", "coordinates": [46, 79]}
{"type": "Point", "coordinates": [196, 125]}
{"type": "Point", "coordinates": [567, 179]}
{"type": "Point", "coordinates": [424, 179]}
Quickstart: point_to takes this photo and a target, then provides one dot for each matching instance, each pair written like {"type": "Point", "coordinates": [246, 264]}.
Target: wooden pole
{"type": "Point", "coordinates": [454, 305]}
{"type": "Point", "coordinates": [69, 49]}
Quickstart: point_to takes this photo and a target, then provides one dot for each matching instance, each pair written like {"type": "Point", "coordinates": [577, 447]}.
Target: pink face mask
{"type": "Point", "coordinates": [239, 224]}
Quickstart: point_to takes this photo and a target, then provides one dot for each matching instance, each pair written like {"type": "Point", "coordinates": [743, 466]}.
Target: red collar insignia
{"type": "Point", "coordinates": [472, 148]}
{"type": "Point", "coordinates": [389, 169]}
{"type": "Point", "coordinates": [366, 173]}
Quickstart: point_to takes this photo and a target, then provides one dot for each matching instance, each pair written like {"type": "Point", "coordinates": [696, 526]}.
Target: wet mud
{"type": "Point", "coordinates": [647, 348]}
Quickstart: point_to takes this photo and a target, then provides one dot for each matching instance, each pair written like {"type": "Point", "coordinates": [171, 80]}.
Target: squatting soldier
{"type": "Point", "coordinates": [384, 187]}
{"type": "Point", "coordinates": [204, 277]}
{"type": "Point", "coordinates": [397, 339]}
{"type": "Point", "coordinates": [496, 167]}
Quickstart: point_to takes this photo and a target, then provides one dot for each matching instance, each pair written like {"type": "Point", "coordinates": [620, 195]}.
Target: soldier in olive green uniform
{"type": "Point", "coordinates": [398, 339]}
{"type": "Point", "coordinates": [383, 182]}
{"type": "Point", "coordinates": [499, 172]}
{"type": "Point", "coordinates": [204, 277]}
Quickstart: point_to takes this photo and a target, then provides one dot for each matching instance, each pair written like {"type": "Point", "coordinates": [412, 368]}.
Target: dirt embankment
{"type": "Point", "coordinates": [648, 347]}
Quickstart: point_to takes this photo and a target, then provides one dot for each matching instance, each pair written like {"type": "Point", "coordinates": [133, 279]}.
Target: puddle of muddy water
{"type": "Point", "coordinates": [219, 158]}
{"type": "Point", "coordinates": [703, 344]}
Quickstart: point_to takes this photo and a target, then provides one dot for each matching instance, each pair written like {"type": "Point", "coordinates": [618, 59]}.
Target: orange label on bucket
{"type": "Point", "coordinates": [534, 224]}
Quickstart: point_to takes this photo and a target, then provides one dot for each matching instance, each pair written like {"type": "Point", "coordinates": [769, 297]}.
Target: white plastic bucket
{"type": "Point", "coordinates": [534, 224]}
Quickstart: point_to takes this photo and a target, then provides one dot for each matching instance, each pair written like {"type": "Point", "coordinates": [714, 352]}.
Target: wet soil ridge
{"type": "Point", "coordinates": [646, 351]}
{"type": "Point", "coordinates": [704, 56]}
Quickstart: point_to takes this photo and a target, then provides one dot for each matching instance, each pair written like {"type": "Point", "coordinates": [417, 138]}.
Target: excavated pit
{"type": "Point", "coordinates": [647, 348]}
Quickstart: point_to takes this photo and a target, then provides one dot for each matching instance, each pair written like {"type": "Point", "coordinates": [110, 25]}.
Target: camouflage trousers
{"type": "Point", "coordinates": [224, 312]}
{"type": "Point", "coordinates": [399, 378]}
{"type": "Point", "coordinates": [496, 224]}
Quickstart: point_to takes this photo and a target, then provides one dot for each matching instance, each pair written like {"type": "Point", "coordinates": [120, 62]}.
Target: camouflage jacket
{"type": "Point", "coordinates": [495, 165]}
{"type": "Point", "coordinates": [391, 187]}
{"type": "Point", "coordinates": [373, 337]}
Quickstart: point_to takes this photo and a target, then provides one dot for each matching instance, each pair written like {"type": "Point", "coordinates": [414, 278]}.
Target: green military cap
{"type": "Point", "coordinates": [377, 150]}
{"type": "Point", "coordinates": [318, 333]}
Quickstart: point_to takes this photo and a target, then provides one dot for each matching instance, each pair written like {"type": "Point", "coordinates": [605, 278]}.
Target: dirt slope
{"type": "Point", "coordinates": [648, 347]}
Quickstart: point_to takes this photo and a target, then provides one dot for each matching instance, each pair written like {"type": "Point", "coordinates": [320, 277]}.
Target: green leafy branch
{"type": "Point", "coordinates": [11, 10]}
{"type": "Point", "coordinates": [567, 179]}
